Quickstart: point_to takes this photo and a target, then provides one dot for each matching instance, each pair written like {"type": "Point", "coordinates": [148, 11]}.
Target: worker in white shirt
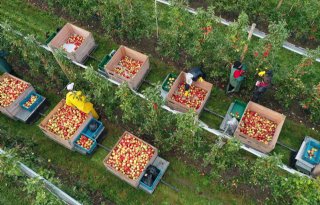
{"type": "Point", "coordinates": [194, 75]}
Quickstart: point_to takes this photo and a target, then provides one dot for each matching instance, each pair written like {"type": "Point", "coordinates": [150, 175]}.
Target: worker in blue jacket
{"type": "Point", "coordinates": [194, 75]}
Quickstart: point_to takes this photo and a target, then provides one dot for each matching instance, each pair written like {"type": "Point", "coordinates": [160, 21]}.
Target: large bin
{"type": "Point", "coordinates": [134, 183]}
{"type": "Point", "coordinates": [269, 114]}
{"type": "Point", "coordinates": [14, 107]}
{"type": "Point", "coordinates": [83, 51]}
{"type": "Point", "coordinates": [135, 81]}
{"type": "Point", "coordinates": [181, 107]}
{"type": "Point", "coordinates": [66, 143]}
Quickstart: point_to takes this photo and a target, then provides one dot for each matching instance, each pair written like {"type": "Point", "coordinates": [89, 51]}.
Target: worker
{"type": "Point", "coordinates": [236, 77]}
{"type": "Point", "coordinates": [78, 100]}
{"type": "Point", "coordinates": [262, 86]}
{"type": "Point", "coordinates": [194, 75]}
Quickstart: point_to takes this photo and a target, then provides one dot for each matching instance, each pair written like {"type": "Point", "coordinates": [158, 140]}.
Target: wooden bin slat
{"type": "Point", "coordinates": [136, 80]}
{"type": "Point", "coordinates": [84, 49]}
{"type": "Point", "coordinates": [14, 107]}
{"type": "Point", "coordinates": [134, 183]}
{"type": "Point", "coordinates": [66, 143]}
{"type": "Point", "coordinates": [269, 114]}
{"type": "Point", "coordinates": [183, 108]}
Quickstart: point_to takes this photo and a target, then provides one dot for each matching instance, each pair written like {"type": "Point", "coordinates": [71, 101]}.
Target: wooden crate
{"type": "Point", "coordinates": [134, 82]}
{"type": "Point", "coordinates": [134, 183]}
{"type": "Point", "coordinates": [84, 49]}
{"type": "Point", "coordinates": [67, 143]}
{"type": "Point", "coordinates": [269, 114]}
{"type": "Point", "coordinates": [14, 107]}
{"type": "Point", "coordinates": [183, 108]}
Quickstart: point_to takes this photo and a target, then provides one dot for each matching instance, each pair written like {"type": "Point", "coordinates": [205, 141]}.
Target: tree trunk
{"type": "Point", "coordinates": [279, 4]}
{"type": "Point", "coordinates": [245, 49]}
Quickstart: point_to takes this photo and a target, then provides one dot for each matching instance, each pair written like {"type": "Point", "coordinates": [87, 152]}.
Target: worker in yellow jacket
{"type": "Point", "coordinates": [78, 100]}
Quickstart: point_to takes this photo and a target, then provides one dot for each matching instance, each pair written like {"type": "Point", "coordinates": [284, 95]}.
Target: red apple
{"type": "Point", "coordinates": [257, 127]}
{"type": "Point", "coordinates": [66, 121]}
{"type": "Point", "coordinates": [10, 90]}
{"type": "Point", "coordinates": [128, 67]}
{"type": "Point", "coordinates": [31, 100]}
{"type": "Point", "coordinates": [194, 99]}
{"type": "Point", "coordinates": [75, 39]}
{"type": "Point", "coordinates": [130, 156]}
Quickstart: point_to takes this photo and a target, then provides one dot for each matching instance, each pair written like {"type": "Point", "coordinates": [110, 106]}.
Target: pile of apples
{"type": "Point", "coordinates": [169, 83]}
{"type": "Point", "coordinates": [312, 152]}
{"type": "Point", "coordinates": [75, 39]}
{"type": "Point", "coordinates": [194, 98]}
{"type": "Point", "coordinates": [236, 115]}
{"type": "Point", "coordinates": [128, 67]}
{"type": "Point", "coordinates": [85, 142]}
{"type": "Point", "coordinates": [130, 156]}
{"type": "Point", "coordinates": [66, 121]}
{"type": "Point", "coordinates": [257, 127]}
{"type": "Point", "coordinates": [10, 90]}
{"type": "Point", "coordinates": [30, 102]}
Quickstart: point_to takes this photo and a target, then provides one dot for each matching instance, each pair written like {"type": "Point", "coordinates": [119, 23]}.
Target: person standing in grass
{"type": "Point", "coordinates": [262, 86]}
{"type": "Point", "coordinates": [238, 71]}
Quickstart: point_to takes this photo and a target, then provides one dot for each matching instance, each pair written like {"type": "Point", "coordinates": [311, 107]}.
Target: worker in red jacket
{"type": "Point", "coordinates": [236, 76]}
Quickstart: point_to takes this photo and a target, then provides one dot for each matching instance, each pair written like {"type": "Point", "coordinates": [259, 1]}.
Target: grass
{"type": "Point", "coordinates": [11, 194]}
{"type": "Point", "coordinates": [194, 188]}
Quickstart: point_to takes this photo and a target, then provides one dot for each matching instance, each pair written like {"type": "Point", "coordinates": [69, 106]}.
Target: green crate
{"type": "Point", "coordinates": [104, 61]}
{"type": "Point", "coordinates": [165, 84]}
{"type": "Point", "coordinates": [238, 107]}
{"type": "Point", "coordinates": [50, 38]}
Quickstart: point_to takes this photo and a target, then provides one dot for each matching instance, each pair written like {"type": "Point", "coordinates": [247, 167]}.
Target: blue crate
{"type": "Point", "coordinates": [150, 188]}
{"type": "Point", "coordinates": [93, 146]}
{"type": "Point", "coordinates": [94, 134]}
{"type": "Point", "coordinates": [34, 105]}
{"type": "Point", "coordinates": [316, 158]}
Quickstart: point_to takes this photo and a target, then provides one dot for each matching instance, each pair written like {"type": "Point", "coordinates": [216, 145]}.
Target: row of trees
{"type": "Point", "coordinates": [192, 40]}
{"type": "Point", "coordinates": [34, 188]}
{"type": "Point", "coordinates": [261, 174]}
{"type": "Point", "coordinates": [300, 15]}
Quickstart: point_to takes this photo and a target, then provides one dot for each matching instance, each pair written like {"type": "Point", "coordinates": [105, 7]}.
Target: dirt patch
{"type": "Point", "coordinates": [229, 178]}
{"type": "Point", "coordinates": [69, 178]}
{"type": "Point", "coordinates": [198, 4]}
